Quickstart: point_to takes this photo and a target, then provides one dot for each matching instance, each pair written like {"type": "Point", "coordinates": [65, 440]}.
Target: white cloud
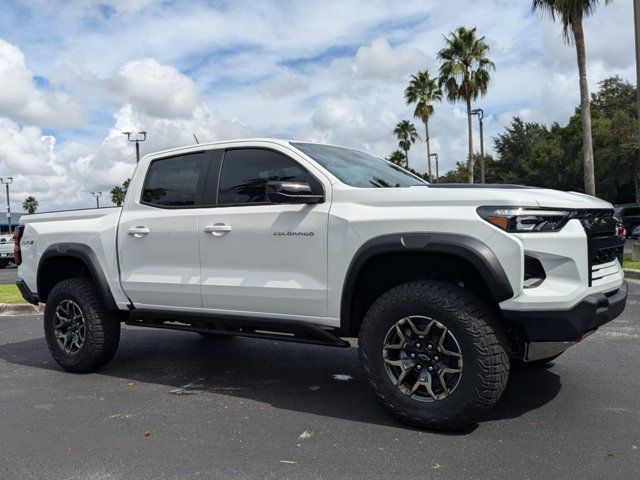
{"type": "Point", "coordinates": [34, 162]}
{"type": "Point", "coordinates": [159, 90]}
{"type": "Point", "coordinates": [283, 86]}
{"type": "Point", "coordinates": [62, 176]}
{"type": "Point", "coordinates": [380, 60]}
{"type": "Point", "coordinates": [330, 71]}
{"type": "Point", "coordinates": [21, 100]}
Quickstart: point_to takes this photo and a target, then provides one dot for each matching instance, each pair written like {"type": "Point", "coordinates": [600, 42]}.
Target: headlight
{"type": "Point", "coordinates": [525, 219]}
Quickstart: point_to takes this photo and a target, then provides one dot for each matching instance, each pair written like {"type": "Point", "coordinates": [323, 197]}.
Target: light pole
{"type": "Point", "coordinates": [636, 14]}
{"type": "Point", "coordinates": [97, 195]}
{"type": "Point", "coordinates": [8, 181]}
{"type": "Point", "coordinates": [140, 137]}
{"type": "Point", "coordinates": [480, 113]}
{"type": "Point", "coordinates": [435, 155]}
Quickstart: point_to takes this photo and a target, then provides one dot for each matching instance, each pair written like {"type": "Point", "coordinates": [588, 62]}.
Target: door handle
{"type": "Point", "coordinates": [138, 232]}
{"type": "Point", "coordinates": [217, 229]}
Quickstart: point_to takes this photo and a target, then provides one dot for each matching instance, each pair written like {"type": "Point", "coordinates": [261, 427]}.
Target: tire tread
{"type": "Point", "coordinates": [104, 337]}
{"type": "Point", "coordinates": [478, 319]}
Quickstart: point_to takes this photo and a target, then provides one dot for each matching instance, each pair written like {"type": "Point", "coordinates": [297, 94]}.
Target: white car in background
{"type": "Point", "coordinates": [6, 250]}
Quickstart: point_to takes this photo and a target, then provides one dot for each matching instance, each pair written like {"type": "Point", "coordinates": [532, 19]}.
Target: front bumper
{"type": "Point", "coordinates": [569, 325]}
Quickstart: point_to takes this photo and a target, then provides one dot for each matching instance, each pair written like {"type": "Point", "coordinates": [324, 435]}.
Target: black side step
{"type": "Point", "coordinates": [283, 330]}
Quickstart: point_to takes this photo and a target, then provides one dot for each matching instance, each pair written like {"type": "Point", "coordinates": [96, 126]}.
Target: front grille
{"type": "Point", "coordinates": [597, 223]}
{"type": "Point", "coordinates": [603, 243]}
{"type": "Point", "coordinates": [606, 255]}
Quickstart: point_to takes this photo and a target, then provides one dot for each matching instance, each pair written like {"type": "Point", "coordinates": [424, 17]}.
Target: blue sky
{"type": "Point", "coordinates": [74, 75]}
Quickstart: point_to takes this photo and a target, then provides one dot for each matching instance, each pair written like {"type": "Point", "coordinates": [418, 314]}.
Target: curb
{"type": "Point", "coordinates": [11, 309]}
{"type": "Point", "coordinates": [632, 274]}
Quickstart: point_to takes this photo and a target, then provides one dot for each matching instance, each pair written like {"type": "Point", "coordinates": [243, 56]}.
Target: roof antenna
{"type": "Point", "coordinates": [194, 136]}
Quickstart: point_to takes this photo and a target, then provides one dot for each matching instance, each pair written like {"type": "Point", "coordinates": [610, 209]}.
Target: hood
{"type": "Point", "coordinates": [543, 197]}
{"type": "Point", "coordinates": [477, 195]}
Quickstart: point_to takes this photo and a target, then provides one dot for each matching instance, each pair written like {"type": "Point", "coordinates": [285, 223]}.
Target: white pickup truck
{"type": "Point", "coordinates": [442, 284]}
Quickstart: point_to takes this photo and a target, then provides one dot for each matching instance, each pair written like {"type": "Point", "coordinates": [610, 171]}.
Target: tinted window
{"type": "Point", "coordinates": [359, 169]}
{"type": "Point", "coordinates": [245, 173]}
{"type": "Point", "coordinates": [631, 211]}
{"type": "Point", "coordinates": [173, 182]}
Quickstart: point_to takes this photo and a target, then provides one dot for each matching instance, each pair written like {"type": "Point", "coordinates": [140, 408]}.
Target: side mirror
{"type": "Point", "coordinates": [292, 192]}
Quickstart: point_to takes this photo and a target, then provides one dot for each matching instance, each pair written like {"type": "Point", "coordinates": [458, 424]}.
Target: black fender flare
{"type": "Point", "coordinates": [468, 248]}
{"type": "Point", "coordinates": [85, 254]}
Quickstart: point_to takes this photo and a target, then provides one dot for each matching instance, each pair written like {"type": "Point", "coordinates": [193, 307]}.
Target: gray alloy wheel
{"type": "Point", "coordinates": [422, 358]}
{"type": "Point", "coordinates": [69, 326]}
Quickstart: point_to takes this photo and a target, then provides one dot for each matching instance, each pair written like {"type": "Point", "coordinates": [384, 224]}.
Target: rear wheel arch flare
{"type": "Point", "coordinates": [72, 260]}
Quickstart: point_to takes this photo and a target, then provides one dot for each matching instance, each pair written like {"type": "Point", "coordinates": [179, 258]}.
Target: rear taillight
{"type": "Point", "coordinates": [17, 235]}
{"type": "Point", "coordinates": [621, 231]}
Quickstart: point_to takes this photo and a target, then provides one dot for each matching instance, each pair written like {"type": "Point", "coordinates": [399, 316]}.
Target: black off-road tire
{"type": "Point", "coordinates": [482, 343]}
{"type": "Point", "coordinates": [102, 327]}
{"type": "Point", "coordinates": [4, 264]}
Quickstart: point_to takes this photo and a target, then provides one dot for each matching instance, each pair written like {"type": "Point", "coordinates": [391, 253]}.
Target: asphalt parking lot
{"type": "Point", "coordinates": [173, 405]}
{"type": "Point", "coordinates": [8, 274]}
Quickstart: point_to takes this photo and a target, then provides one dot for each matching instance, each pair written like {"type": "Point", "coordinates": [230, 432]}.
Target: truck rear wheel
{"type": "Point", "coordinates": [81, 334]}
{"type": "Point", "coordinates": [434, 354]}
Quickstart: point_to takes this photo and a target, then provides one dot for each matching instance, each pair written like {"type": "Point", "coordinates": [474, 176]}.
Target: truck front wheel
{"type": "Point", "coordinates": [81, 334]}
{"type": "Point", "coordinates": [434, 354]}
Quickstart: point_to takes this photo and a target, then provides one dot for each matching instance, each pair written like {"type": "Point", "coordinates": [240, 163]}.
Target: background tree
{"type": "Point", "coordinates": [398, 158]}
{"type": "Point", "coordinates": [422, 91]}
{"type": "Point", "coordinates": [30, 204]}
{"type": "Point", "coordinates": [125, 185]}
{"type": "Point", "coordinates": [464, 73]}
{"type": "Point", "coordinates": [407, 136]}
{"type": "Point", "coordinates": [117, 195]}
{"type": "Point", "coordinates": [570, 13]}
{"type": "Point", "coordinates": [534, 154]}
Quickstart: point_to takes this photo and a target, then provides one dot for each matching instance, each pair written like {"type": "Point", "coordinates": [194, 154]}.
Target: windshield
{"type": "Point", "coordinates": [359, 169]}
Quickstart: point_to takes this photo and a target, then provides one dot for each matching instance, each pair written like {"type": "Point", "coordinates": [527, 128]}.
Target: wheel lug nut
{"type": "Point", "coordinates": [430, 347]}
{"type": "Point", "coordinates": [419, 367]}
{"type": "Point", "coordinates": [436, 358]}
{"type": "Point", "coordinates": [413, 355]}
{"type": "Point", "coordinates": [417, 345]}
{"type": "Point", "coordinates": [430, 369]}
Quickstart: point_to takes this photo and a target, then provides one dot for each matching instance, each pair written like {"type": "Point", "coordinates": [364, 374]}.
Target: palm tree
{"type": "Point", "coordinates": [407, 135]}
{"type": "Point", "coordinates": [571, 13]}
{"type": "Point", "coordinates": [464, 73]}
{"type": "Point", "coordinates": [117, 195]}
{"type": "Point", "coordinates": [30, 204]}
{"type": "Point", "coordinates": [423, 90]}
{"type": "Point", "coordinates": [398, 158]}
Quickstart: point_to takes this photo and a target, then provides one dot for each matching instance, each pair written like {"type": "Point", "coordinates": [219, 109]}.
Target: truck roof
{"type": "Point", "coordinates": [278, 141]}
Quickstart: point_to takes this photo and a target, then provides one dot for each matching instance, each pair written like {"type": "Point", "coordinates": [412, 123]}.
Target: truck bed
{"type": "Point", "coordinates": [94, 228]}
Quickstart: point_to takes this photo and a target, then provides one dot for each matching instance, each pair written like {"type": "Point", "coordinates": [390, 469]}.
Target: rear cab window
{"type": "Point", "coordinates": [175, 182]}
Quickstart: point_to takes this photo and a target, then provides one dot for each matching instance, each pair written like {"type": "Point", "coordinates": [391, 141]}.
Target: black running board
{"type": "Point", "coordinates": [282, 330]}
